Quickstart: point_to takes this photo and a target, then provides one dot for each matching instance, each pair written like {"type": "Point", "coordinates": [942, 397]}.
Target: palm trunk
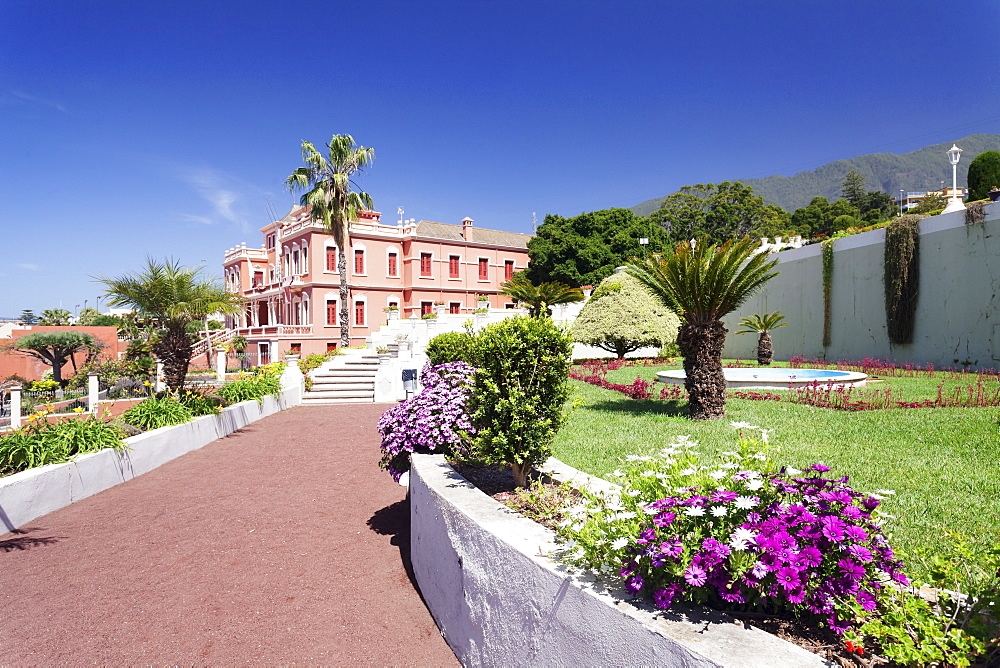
{"type": "Point", "coordinates": [701, 346]}
{"type": "Point", "coordinates": [345, 322]}
{"type": "Point", "coordinates": [765, 351]}
{"type": "Point", "coordinates": [174, 350]}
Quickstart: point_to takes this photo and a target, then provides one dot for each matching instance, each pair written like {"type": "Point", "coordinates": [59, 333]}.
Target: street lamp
{"type": "Point", "coordinates": [901, 192]}
{"type": "Point", "coordinates": [954, 153]}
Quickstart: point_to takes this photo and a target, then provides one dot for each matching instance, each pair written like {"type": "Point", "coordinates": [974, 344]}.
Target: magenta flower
{"type": "Point", "coordinates": [695, 575]}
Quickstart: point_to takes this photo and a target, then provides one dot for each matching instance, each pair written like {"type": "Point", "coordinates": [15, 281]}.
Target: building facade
{"type": "Point", "coordinates": [292, 285]}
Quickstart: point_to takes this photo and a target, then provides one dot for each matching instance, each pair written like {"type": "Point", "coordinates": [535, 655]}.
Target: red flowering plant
{"type": "Point", "coordinates": [735, 531]}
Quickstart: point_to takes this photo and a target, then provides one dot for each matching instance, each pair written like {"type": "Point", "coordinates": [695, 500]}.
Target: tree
{"type": "Point", "coordinates": [171, 296]}
{"type": "Point", "coordinates": [702, 285]}
{"type": "Point", "coordinates": [55, 317]}
{"type": "Point", "coordinates": [622, 316]}
{"type": "Point", "coordinates": [28, 317]}
{"type": "Point", "coordinates": [327, 183]}
{"type": "Point", "coordinates": [929, 203]}
{"type": "Point", "coordinates": [585, 249]}
{"type": "Point", "coordinates": [854, 189]}
{"type": "Point", "coordinates": [728, 210]}
{"type": "Point", "coordinates": [762, 325]}
{"type": "Point", "coordinates": [56, 348]}
{"type": "Point", "coordinates": [539, 298]}
{"type": "Point", "coordinates": [86, 316]}
{"type": "Point", "coordinates": [984, 175]}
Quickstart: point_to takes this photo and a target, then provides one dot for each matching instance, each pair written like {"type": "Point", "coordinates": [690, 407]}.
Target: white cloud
{"type": "Point", "coordinates": [29, 267]}
{"type": "Point", "coordinates": [221, 191]}
{"type": "Point", "coordinates": [25, 97]}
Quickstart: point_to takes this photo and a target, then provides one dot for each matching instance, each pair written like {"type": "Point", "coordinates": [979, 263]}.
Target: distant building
{"type": "Point", "coordinates": [292, 285]}
{"type": "Point", "coordinates": [911, 200]}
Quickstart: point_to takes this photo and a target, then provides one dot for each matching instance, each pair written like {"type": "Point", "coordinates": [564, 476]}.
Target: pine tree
{"type": "Point", "coordinates": [854, 189]}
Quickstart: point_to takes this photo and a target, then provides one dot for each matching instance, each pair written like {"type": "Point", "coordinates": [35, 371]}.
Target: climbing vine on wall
{"type": "Point", "coordinates": [901, 276]}
{"type": "Point", "coordinates": [975, 212]}
{"type": "Point", "coordinates": [827, 247]}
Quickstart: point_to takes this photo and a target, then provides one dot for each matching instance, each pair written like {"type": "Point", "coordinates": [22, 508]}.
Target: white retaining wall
{"type": "Point", "coordinates": [499, 601]}
{"type": "Point", "coordinates": [957, 317]}
{"type": "Point", "coordinates": [30, 494]}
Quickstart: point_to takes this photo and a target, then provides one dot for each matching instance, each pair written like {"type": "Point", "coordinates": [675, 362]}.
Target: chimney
{"type": "Point", "coordinates": [467, 228]}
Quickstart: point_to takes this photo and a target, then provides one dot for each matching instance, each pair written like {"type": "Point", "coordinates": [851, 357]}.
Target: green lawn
{"type": "Point", "coordinates": [943, 463]}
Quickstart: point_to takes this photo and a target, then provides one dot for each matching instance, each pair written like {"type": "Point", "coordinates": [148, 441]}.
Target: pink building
{"type": "Point", "coordinates": [292, 285]}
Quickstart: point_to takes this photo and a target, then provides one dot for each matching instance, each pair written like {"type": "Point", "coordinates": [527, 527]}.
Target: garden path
{"type": "Point", "coordinates": [281, 543]}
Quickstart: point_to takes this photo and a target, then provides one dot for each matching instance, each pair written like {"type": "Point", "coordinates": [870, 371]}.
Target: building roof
{"type": "Point", "coordinates": [477, 235]}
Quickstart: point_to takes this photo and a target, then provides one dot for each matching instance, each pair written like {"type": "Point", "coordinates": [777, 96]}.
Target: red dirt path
{"type": "Point", "coordinates": [282, 543]}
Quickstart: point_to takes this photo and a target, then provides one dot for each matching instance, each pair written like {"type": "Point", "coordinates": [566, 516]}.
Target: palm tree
{"type": "Point", "coordinates": [539, 298]}
{"type": "Point", "coordinates": [762, 324]}
{"type": "Point", "coordinates": [171, 297]}
{"type": "Point", "coordinates": [701, 285]}
{"type": "Point", "coordinates": [327, 183]}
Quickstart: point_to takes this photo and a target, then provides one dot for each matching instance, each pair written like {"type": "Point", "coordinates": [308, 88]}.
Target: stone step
{"type": "Point", "coordinates": [308, 401]}
{"type": "Point", "coordinates": [343, 386]}
{"type": "Point", "coordinates": [343, 373]}
{"type": "Point", "coordinates": [368, 394]}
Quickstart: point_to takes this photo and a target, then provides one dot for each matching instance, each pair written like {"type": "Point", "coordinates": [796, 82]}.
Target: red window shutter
{"type": "Point", "coordinates": [331, 312]}
{"type": "Point", "coordinates": [425, 264]}
{"type": "Point", "coordinates": [426, 307]}
{"type": "Point", "coordinates": [508, 270]}
{"type": "Point", "coordinates": [454, 307]}
{"type": "Point", "coordinates": [331, 259]}
{"type": "Point", "coordinates": [359, 262]}
{"type": "Point", "coordinates": [359, 313]}
{"type": "Point", "coordinates": [453, 266]}
{"type": "Point", "coordinates": [392, 264]}
{"type": "Point", "coordinates": [483, 269]}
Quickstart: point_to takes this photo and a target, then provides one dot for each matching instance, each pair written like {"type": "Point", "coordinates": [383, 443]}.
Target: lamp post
{"type": "Point", "coordinates": [954, 153]}
{"type": "Point", "coordinates": [901, 193]}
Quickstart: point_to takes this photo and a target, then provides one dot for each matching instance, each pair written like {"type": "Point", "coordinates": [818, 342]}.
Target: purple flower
{"type": "Point", "coordinates": [663, 598]}
{"type": "Point", "coordinates": [860, 552]}
{"type": "Point", "coordinates": [695, 575]}
{"type": "Point", "coordinates": [856, 533]}
{"type": "Point", "coordinates": [672, 548]}
{"type": "Point", "coordinates": [820, 468]}
{"type": "Point", "coordinates": [724, 497]}
{"type": "Point", "coordinates": [634, 584]}
{"type": "Point", "coordinates": [788, 578]}
{"type": "Point", "coordinates": [664, 519]}
{"type": "Point", "coordinates": [851, 569]}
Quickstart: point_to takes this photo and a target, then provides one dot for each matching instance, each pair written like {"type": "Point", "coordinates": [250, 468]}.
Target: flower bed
{"type": "Point", "coordinates": [498, 599]}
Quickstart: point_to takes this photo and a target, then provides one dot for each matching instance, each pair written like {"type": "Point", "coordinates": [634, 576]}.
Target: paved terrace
{"type": "Point", "coordinates": [282, 543]}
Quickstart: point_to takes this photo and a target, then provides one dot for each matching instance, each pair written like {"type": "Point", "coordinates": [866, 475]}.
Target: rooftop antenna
{"type": "Point", "coordinates": [399, 210]}
{"type": "Point", "coordinates": [269, 208]}
{"type": "Point", "coordinates": [534, 222]}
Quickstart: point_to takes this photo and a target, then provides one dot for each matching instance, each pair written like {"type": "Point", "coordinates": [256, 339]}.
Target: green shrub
{"type": "Point", "coordinates": [43, 386]}
{"type": "Point", "coordinates": [202, 404]}
{"type": "Point", "coordinates": [157, 412]}
{"type": "Point", "coordinates": [452, 347]}
{"type": "Point", "coordinates": [261, 382]}
{"type": "Point", "coordinates": [40, 442]}
{"type": "Point", "coordinates": [520, 391]}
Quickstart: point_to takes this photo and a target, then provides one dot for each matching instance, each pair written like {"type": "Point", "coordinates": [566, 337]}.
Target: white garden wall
{"type": "Point", "coordinates": [499, 601]}
{"type": "Point", "coordinates": [957, 319]}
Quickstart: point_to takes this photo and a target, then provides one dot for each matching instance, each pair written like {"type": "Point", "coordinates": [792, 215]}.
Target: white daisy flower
{"type": "Point", "coordinates": [694, 511]}
{"type": "Point", "coordinates": [619, 543]}
{"type": "Point", "coordinates": [689, 471]}
{"type": "Point", "coordinates": [719, 511]}
{"type": "Point", "coordinates": [745, 502]}
{"type": "Point", "coordinates": [633, 492]}
{"type": "Point", "coordinates": [741, 425]}
{"type": "Point", "coordinates": [717, 475]}
{"type": "Point", "coordinates": [754, 484]}
{"type": "Point", "coordinates": [791, 470]}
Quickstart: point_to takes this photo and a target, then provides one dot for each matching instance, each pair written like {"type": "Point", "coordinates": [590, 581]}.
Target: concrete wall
{"type": "Point", "coordinates": [499, 602]}
{"type": "Point", "coordinates": [30, 494]}
{"type": "Point", "coordinates": [957, 321]}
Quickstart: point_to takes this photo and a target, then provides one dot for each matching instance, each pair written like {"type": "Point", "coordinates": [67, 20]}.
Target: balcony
{"type": "Point", "coordinates": [264, 331]}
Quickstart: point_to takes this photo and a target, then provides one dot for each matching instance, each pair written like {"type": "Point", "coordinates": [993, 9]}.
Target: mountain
{"type": "Point", "coordinates": [917, 171]}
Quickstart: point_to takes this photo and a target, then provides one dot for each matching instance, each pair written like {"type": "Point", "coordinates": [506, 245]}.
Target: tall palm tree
{"type": "Point", "coordinates": [171, 297]}
{"type": "Point", "coordinates": [701, 285]}
{"type": "Point", "coordinates": [539, 298]}
{"type": "Point", "coordinates": [327, 183]}
{"type": "Point", "coordinates": [762, 325]}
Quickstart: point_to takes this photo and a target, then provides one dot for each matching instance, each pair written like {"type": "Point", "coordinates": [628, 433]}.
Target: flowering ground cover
{"type": "Point", "coordinates": [943, 463]}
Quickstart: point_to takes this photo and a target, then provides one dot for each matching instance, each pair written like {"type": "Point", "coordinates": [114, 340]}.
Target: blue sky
{"type": "Point", "coordinates": [130, 128]}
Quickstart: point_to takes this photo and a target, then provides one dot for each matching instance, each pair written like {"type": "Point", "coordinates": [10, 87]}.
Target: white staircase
{"type": "Point", "coordinates": [348, 378]}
